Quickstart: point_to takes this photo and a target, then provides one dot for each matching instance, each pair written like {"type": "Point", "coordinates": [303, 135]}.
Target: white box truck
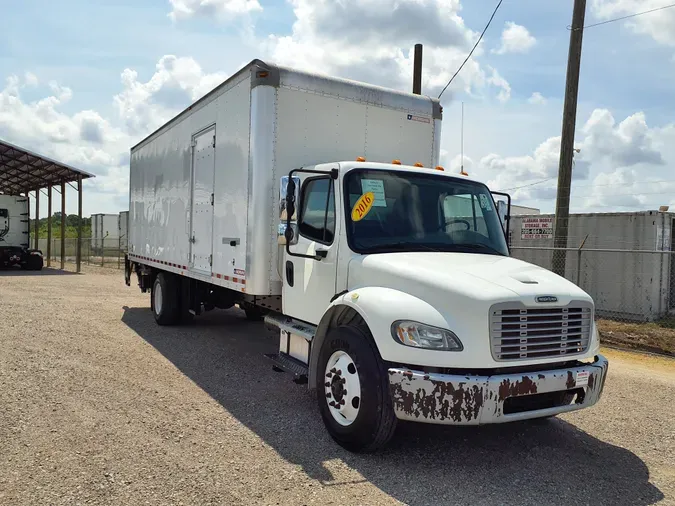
{"type": "Point", "coordinates": [15, 248]}
{"type": "Point", "coordinates": [389, 279]}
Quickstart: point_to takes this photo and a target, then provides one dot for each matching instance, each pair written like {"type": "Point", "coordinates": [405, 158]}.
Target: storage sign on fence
{"type": "Point", "coordinates": [537, 228]}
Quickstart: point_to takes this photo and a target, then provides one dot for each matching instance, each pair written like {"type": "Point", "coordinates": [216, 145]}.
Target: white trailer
{"type": "Point", "coordinates": [15, 234]}
{"type": "Point", "coordinates": [390, 280]}
{"type": "Point", "coordinates": [104, 232]}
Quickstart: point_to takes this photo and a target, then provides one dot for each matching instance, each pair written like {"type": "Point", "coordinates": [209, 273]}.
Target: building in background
{"type": "Point", "coordinates": [625, 263]}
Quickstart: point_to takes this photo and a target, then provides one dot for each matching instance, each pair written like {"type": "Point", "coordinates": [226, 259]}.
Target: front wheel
{"type": "Point", "coordinates": [353, 392]}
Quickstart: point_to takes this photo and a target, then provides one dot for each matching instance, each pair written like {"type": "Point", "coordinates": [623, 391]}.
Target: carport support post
{"type": "Point", "coordinates": [63, 225]}
{"type": "Point", "coordinates": [49, 225]}
{"type": "Point", "coordinates": [37, 217]}
{"type": "Point", "coordinates": [79, 224]}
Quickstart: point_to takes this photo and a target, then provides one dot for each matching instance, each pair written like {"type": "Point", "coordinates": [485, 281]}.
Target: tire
{"type": "Point", "coordinates": [375, 422]}
{"type": "Point", "coordinates": [164, 300]}
{"type": "Point", "coordinates": [35, 263]}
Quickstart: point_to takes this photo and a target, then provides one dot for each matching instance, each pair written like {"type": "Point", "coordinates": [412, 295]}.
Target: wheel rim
{"type": "Point", "coordinates": [158, 298]}
{"type": "Point", "coordinates": [342, 388]}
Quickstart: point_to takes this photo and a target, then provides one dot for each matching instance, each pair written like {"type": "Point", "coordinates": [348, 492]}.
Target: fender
{"type": "Point", "coordinates": [380, 307]}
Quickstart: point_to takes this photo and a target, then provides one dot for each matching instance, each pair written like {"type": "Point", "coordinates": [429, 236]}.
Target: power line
{"type": "Point", "coordinates": [472, 50]}
{"type": "Point", "coordinates": [528, 185]}
{"type": "Point", "coordinates": [593, 185]}
{"type": "Point", "coordinates": [623, 17]}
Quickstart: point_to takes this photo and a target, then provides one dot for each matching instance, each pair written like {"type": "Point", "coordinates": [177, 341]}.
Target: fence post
{"type": "Point", "coordinates": [119, 251]}
{"type": "Point", "coordinates": [103, 252]}
{"type": "Point", "coordinates": [581, 246]}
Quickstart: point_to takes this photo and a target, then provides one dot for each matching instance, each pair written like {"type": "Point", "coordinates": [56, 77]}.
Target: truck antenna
{"type": "Point", "coordinates": [461, 135]}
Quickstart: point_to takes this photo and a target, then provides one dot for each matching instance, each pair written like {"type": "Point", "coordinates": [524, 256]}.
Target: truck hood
{"type": "Point", "coordinates": [476, 276]}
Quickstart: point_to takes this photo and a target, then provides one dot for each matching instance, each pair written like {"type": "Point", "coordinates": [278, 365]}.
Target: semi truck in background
{"type": "Point", "coordinates": [319, 205]}
{"type": "Point", "coordinates": [15, 235]}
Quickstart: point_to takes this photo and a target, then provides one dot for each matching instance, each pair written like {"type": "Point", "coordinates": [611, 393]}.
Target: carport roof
{"type": "Point", "coordinates": [23, 171]}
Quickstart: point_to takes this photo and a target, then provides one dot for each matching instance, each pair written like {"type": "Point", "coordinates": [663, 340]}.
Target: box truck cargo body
{"type": "Point", "coordinates": [319, 204]}
{"type": "Point", "coordinates": [15, 234]}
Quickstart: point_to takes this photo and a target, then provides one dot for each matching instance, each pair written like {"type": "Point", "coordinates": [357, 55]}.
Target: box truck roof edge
{"type": "Point", "coordinates": [273, 75]}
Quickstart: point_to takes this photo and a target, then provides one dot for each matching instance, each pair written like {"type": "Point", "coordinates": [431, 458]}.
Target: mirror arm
{"type": "Point", "coordinates": [290, 197]}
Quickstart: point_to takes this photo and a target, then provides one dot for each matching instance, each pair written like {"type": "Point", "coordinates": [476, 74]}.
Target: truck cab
{"type": "Point", "coordinates": [401, 296]}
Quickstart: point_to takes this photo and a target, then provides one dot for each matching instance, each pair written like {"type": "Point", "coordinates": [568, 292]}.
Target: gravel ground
{"type": "Point", "coordinates": [100, 406]}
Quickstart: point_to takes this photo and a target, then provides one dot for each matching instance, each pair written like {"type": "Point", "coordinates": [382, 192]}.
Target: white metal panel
{"type": "Point", "coordinates": [262, 250]}
{"type": "Point", "coordinates": [201, 209]}
{"type": "Point", "coordinates": [232, 182]}
{"type": "Point", "coordinates": [14, 226]}
{"type": "Point", "coordinates": [160, 185]}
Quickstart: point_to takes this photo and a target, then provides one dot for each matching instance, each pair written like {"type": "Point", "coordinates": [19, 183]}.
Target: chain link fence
{"type": "Point", "coordinates": [633, 290]}
{"type": "Point", "coordinates": [106, 252]}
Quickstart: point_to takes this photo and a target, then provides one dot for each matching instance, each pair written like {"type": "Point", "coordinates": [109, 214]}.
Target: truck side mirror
{"type": "Point", "coordinates": [289, 190]}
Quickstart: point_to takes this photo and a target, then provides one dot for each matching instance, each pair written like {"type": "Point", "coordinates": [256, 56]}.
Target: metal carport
{"type": "Point", "coordinates": [23, 172]}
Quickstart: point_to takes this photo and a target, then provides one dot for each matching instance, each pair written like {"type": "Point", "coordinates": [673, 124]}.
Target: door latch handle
{"type": "Point", "coordinates": [321, 254]}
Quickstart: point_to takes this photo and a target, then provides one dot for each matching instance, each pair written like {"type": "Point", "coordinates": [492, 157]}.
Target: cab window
{"type": "Point", "coordinates": [317, 210]}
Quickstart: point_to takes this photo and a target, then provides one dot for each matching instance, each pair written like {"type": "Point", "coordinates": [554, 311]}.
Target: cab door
{"type": "Point", "coordinates": [309, 283]}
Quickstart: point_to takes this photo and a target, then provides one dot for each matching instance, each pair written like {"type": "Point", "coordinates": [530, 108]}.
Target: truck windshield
{"type": "Point", "coordinates": [389, 211]}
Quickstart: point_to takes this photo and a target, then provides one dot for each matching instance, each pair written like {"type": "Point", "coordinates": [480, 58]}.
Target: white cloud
{"type": "Point", "coordinates": [91, 142]}
{"type": "Point", "coordinates": [537, 99]}
{"type": "Point", "coordinates": [515, 39]}
{"type": "Point", "coordinates": [505, 89]}
{"type": "Point", "coordinates": [372, 41]}
{"type": "Point", "coordinates": [177, 82]}
{"type": "Point", "coordinates": [627, 144]}
{"type": "Point", "coordinates": [624, 165]}
{"type": "Point", "coordinates": [223, 9]}
{"type": "Point", "coordinates": [658, 25]}
{"type": "Point", "coordinates": [31, 79]}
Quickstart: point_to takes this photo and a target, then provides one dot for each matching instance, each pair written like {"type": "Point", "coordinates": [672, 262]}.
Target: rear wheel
{"type": "Point", "coordinates": [353, 392]}
{"type": "Point", "coordinates": [35, 263]}
{"type": "Point", "coordinates": [165, 301]}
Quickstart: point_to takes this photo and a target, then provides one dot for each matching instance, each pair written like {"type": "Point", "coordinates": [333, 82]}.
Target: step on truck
{"type": "Point", "coordinates": [388, 278]}
{"type": "Point", "coordinates": [15, 248]}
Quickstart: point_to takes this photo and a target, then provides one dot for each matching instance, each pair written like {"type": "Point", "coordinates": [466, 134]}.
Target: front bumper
{"type": "Point", "coordinates": [473, 400]}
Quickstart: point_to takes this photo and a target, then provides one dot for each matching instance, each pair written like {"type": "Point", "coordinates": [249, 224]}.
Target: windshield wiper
{"type": "Point", "coordinates": [480, 246]}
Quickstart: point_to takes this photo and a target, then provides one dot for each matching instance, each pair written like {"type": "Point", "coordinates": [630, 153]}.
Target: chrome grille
{"type": "Point", "coordinates": [519, 333]}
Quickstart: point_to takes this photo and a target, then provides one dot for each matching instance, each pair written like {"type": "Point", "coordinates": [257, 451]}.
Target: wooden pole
{"type": "Point", "coordinates": [562, 206]}
{"type": "Point", "coordinates": [37, 217]}
{"type": "Point", "coordinates": [63, 226]}
{"type": "Point", "coordinates": [79, 224]}
{"type": "Point", "coordinates": [49, 225]}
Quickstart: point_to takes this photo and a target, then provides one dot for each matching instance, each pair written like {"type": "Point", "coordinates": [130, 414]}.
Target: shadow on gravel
{"type": "Point", "coordinates": [44, 272]}
{"type": "Point", "coordinates": [549, 462]}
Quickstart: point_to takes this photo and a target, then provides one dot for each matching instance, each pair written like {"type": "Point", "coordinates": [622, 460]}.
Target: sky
{"type": "Point", "coordinates": [82, 81]}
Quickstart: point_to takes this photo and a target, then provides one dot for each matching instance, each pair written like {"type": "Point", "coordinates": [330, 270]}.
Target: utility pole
{"type": "Point", "coordinates": [417, 70]}
{"type": "Point", "coordinates": [562, 205]}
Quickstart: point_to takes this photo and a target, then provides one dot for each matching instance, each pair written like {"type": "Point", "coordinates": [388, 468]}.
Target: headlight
{"type": "Point", "coordinates": [418, 335]}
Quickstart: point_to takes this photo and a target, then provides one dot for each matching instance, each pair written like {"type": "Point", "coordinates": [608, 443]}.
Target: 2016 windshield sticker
{"type": "Point", "coordinates": [376, 187]}
{"type": "Point", "coordinates": [485, 202]}
{"type": "Point", "coordinates": [363, 206]}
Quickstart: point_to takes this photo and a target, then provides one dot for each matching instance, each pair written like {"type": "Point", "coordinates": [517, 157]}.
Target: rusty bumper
{"type": "Point", "coordinates": [474, 400]}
